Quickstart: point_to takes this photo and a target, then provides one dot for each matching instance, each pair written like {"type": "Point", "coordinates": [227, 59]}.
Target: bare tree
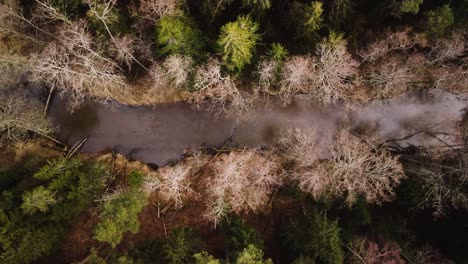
{"type": "Point", "coordinates": [241, 181]}
{"type": "Point", "coordinates": [104, 11]}
{"type": "Point", "coordinates": [301, 146]}
{"type": "Point", "coordinates": [19, 116]}
{"type": "Point", "coordinates": [12, 66]}
{"type": "Point", "coordinates": [428, 255]}
{"type": "Point", "coordinates": [391, 41]}
{"type": "Point", "coordinates": [76, 66]}
{"type": "Point", "coordinates": [123, 49]}
{"type": "Point", "coordinates": [296, 77]}
{"type": "Point", "coordinates": [267, 75]}
{"type": "Point", "coordinates": [178, 68]}
{"type": "Point", "coordinates": [218, 90]}
{"type": "Point", "coordinates": [334, 68]}
{"type": "Point", "coordinates": [450, 48]}
{"type": "Point", "coordinates": [390, 78]}
{"type": "Point", "coordinates": [158, 84]}
{"type": "Point", "coordinates": [12, 21]}
{"type": "Point", "coordinates": [352, 168]}
{"type": "Point", "coordinates": [356, 169]}
{"type": "Point", "coordinates": [444, 181]}
{"type": "Point", "coordinates": [364, 251]}
{"type": "Point", "coordinates": [174, 183]}
{"type": "Point", "coordinates": [155, 9]}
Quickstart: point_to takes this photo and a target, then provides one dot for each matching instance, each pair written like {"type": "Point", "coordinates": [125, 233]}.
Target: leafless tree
{"type": "Point", "coordinates": [267, 75]}
{"type": "Point", "coordinates": [74, 64]}
{"type": "Point", "coordinates": [241, 181]}
{"type": "Point", "coordinates": [391, 41]}
{"type": "Point", "coordinates": [428, 255]}
{"type": "Point", "coordinates": [155, 9]}
{"type": "Point", "coordinates": [45, 10]}
{"type": "Point", "coordinates": [300, 145]}
{"type": "Point", "coordinates": [12, 66]}
{"type": "Point", "coordinates": [12, 21]}
{"type": "Point", "coordinates": [218, 91]}
{"type": "Point", "coordinates": [443, 181]}
{"type": "Point", "coordinates": [354, 169]}
{"type": "Point", "coordinates": [364, 251]}
{"type": "Point", "coordinates": [334, 68]}
{"type": "Point", "coordinates": [158, 84]}
{"type": "Point", "coordinates": [123, 49]}
{"type": "Point", "coordinates": [449, 48]}
{"type": "Point", "coordinates": [18, 117]}
{"type": "Point", "coordinates": [390, 78]}
{"type": "Point", "coordinates": [451, 78]}
{"type": "Point", "coordinates": [104, 12]}
{"type": "Point", "coordinates": [174, 183]}
{"type": "Point", "coordinates": [357, 169]}
{"type": "Point", "coordinates": [296, 77]}
{"type": "Point", "coordinates": [178, 68]}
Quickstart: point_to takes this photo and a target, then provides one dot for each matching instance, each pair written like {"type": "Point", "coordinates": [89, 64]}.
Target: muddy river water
{"type": "Point", "coordinates": [160, 134]}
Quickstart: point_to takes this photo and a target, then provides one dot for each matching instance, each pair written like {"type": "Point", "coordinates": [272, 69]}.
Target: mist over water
{"type": "Point", "coordinates": [160, 134]}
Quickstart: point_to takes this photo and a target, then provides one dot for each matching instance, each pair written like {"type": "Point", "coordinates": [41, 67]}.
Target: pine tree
{"type": "Point", "coordinates": [237, 42]}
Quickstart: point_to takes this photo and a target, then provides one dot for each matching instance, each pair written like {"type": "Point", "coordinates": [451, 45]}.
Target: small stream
{"type": "Point", "coordinates": [160, 134]}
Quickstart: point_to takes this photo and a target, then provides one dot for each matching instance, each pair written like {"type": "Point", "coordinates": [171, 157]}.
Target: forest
{"type": "Point", "coordinates": [234, 131]}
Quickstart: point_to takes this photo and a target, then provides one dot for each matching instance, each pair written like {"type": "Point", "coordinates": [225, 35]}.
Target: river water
{"type": "Point", "coordinates": [160, 134]}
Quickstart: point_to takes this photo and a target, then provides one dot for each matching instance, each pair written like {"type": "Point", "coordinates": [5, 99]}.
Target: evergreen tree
{"type": "Point", "coordinates": [38, 199]}
{"type": "Point", "coordinates": [410, 6]}
{"type": "Point", "coordinates": [119, 216]}
{"type": "Point", "coordinates": [439, 20]}
{"type": "Point", "coordinates": [252, 255]}
{"type": "Point", "coordinates": [179, 35]}
{"type": "Point", "coordinates": [237, 42]}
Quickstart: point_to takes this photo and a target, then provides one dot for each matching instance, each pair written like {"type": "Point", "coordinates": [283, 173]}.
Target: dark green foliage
{"type": "Point", "coordinates": [119, 216]}
{"type": "Point", "coordinates": [30, 224]}
{"type": "Point", "coordinates": [410, 6]}
{"type": "Point", "coordinates": [316, 237]}
{"type": "Point", "coordinates": [205, 258]}
{"type": "Point", "coordinates": [179, 35]}
{"type": "Point", "coordinates": [57, 167]}
{"type": "Point", "coordinates": [181, 245]}
{"type": "Point", "coordinates": [135, 179]}
{"type": "Point", "coordinates": [341, 11]}
{"type": "Point", "coordinates": [66, 7]}
{"type": "Point", "coordinates": [277, 52]}
{"type": "Point", "coordinates": [252, 255]}
{"type": "Point", "coordinates": [238, 235]}
{"type": "Point", "coordinates": [38, 199]}
{"type": "Point", "coordinates": [439, 20]}
{"type": "Point", "coordinates": [149, 251]}
{"type": "Point", "coordinates": [308, 20]}
{"type": "Point", "coordinates": [107, 16]}
{"type": "Point", "coordinates": [237, 41]}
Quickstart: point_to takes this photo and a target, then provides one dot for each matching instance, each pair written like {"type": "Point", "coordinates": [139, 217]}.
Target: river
{"type": "Point", "coordinates": [157, 135]}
